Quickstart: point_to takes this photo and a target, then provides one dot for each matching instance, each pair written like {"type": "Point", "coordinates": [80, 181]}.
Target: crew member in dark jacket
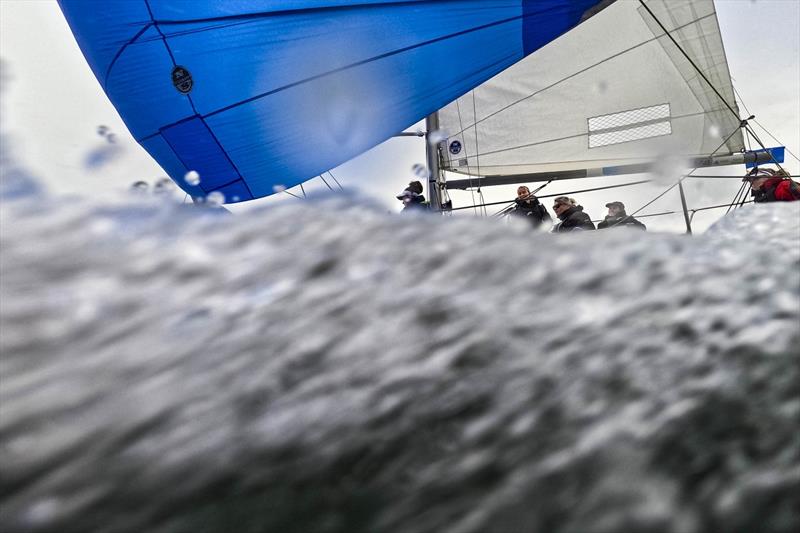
{"type": "Point", "coordinates": [527, 206]}
{"type": "Point", "coordinates": [412, 201]}
{"type": "Point", "coordinates": [767, 185]}
{"type": "Point", "coordinates": [617, 218]}
{"type": "Point", "coordinates": [571, 215]}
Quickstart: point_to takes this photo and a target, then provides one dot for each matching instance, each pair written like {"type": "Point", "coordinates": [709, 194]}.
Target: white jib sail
{"type": "Point", "coordinates": [614, 91]}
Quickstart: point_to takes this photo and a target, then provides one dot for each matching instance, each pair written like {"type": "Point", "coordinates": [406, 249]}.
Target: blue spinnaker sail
{"type": "Point", "coordinates": [256, 95]}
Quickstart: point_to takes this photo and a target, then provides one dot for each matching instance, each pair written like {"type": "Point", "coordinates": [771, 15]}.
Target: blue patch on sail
{"type": "Point", "coordinates": [543, 21]}
{"type": "Point", "coordinates": [236, 192]}
{"type": "Point", "coordinates": [200, 151]}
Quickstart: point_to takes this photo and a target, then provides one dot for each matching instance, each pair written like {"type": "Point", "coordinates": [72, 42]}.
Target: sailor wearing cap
{"type": "Point", "coordinates": [618, 218]}
{"type": "Point", "coordinates": [412, 201]}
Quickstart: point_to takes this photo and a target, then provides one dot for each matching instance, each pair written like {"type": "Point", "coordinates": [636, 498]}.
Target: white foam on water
{"type": "Point", "coordinates": [447, 368]}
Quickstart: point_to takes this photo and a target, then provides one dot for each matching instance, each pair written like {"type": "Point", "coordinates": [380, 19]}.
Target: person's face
{"type": "Point", "coordinates": [757, 183]}
{"type": "Point", "coordinates": [560, 208]}
{"type": "Point", "coordinates": [522, 192]}
{"type": "Point", "coordinates": [614, 211]}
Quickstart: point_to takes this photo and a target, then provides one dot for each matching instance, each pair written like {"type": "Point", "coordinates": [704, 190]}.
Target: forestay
{"type": "Point", "coordinates": [614, 91]}
{"type": "Point", "coordinates": [257, 95]}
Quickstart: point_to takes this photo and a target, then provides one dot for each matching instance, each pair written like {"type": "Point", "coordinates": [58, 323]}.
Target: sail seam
{"type": "Point", "coordinates": [228, 157]}
{"type": "Point", "coordinates": [136, 40]}
{"type": "Point", "coordinates": [297, 11]}
{"type": "Point", "coordinates": [366, 61]}
{"type": "Point", "coordinates": [579, 72]}
{"type": "Point", "coordinates": [694, 65]}
{"type": "Point", "coordinates": [178, 156]}
{"type": "Point", "coordinates": [131, 41]}
{"type": "Point", "coordinates": [344, 68]}
{"type": "Point", "coordinates": [169, 50]}
{"type": "Point", "coordinates": [198, 115]}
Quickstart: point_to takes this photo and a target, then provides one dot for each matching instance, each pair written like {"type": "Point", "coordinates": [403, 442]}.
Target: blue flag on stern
{"type": "Point", "coordinates": [777, 155]}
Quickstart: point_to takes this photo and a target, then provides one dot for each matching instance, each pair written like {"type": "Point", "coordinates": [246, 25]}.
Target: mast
{"type": "Point", "coordinates": [432, 160]}
{"type": "Point", "coordinates": [685, 209]}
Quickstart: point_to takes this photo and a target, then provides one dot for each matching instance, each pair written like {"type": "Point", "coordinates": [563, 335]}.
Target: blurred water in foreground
{"type": "Point", "coordinates": [332, 368]}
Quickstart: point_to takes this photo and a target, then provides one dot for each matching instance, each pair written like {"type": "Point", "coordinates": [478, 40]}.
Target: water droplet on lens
{"type": "Point", "coordinates": [235, 199]}
{"type": "Point", "coordinates": [43, 511]}
{"type": "Point", "coordinates": [420, 171]}
{"type": "Point", "coordinates": [215, 198]}
{"type": "Point", "coordinates": [714, 130]}
{"type": "Point", "coordinates": [102, 131]}
{"type": "Point", "coordinates": [139, 186]}
{"type": "Point", "coordinates": [162, 186]}
{"type": "Point", "coordinates": [668, 169]}
{"type": "Point", "coordinates": [279, 188]}
{"type": "Point", "coordinates": [601, 87]}
{"type": "Point", "coordinates": [192, 178]}
{"type": "Point", "coordinates": [437, 136]}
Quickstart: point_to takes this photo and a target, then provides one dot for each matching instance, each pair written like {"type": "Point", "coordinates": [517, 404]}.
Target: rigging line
{"type": "Point", "coordinates": [630, 183]}
{"type": "Point", "coordinates": [586, 69]}
{"type": "Point", "coordinates": [739, 201]}
{"type": "Point", "coordinates": [682, 51]}
{"type": "Point", "coordinates": [722, 205]}
{"type": "Point", "coordinates": [469, 171]}
{"type": "Point", "coordinates": [326, 183]}
{"type": "Point", "coordinates": [749, 114]}
{"type": "Point", "coordinates": [736, 198]}
{"type": "Point", "coordinates": [662, 213]}
{"type": "Point", "coordinates": [737, 93]}
{"type": "Point", "coordinates": [304, 191]}
{"type": "Point", "coordinates": [742, 202]}
{"type": "Point", "coordinates": [566, 193]}
{"type": "Point", "coordinates": [334, 179]}
{"type": "Point", "coordinates": [771, 155]}
{"type": "Point", "coordinates": [775, 139]}
{"type": "Point", "coordinates": [742, 195]}
{"type": "Point", "coordinates": [292, 194]}
{"type": "Point", "coordinates": [743, 123]}
{"type": "Point", "coordinates": [478, 153]}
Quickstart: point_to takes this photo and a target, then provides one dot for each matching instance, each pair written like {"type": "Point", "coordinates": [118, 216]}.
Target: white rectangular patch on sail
{"type": "Point", "coordinates": [632, 125]}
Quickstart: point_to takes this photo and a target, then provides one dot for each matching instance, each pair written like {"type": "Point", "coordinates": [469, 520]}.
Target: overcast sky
{"type": "Point", "coordinates": [52, 106]}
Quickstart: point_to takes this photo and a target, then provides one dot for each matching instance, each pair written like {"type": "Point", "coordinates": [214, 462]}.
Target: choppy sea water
{"type": "Point", "coordinates": [331, 368]}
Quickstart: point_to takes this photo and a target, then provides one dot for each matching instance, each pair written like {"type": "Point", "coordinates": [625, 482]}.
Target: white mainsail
{"type": "Point", "coordinates": [614, 91]}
